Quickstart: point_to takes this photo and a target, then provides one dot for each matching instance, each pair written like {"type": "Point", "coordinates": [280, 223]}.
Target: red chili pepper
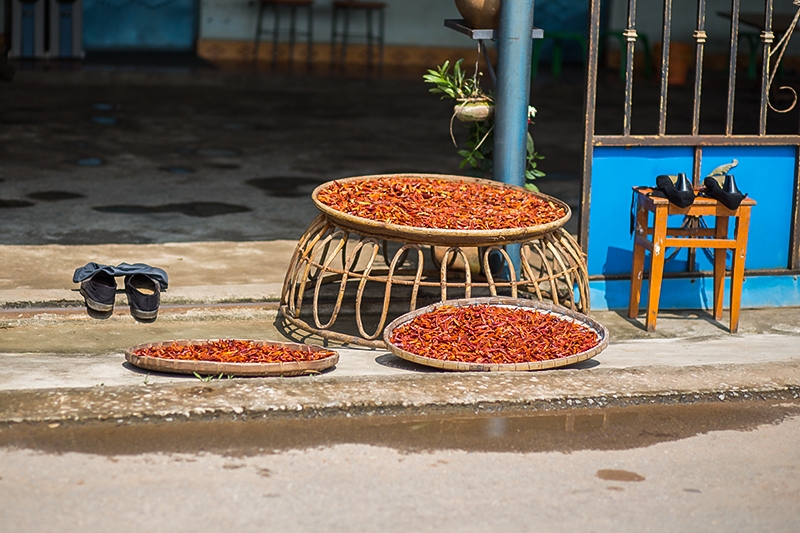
{"type": "Point", "coordinates": [440, 204]}
{"type": "Point", "coordinates": [232, 351]}
{"type": "Point", "coordinates": [493, 334]}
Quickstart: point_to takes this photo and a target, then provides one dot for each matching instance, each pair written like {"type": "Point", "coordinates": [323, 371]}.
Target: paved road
{"type": "Point", "coordinates": [701, 468]}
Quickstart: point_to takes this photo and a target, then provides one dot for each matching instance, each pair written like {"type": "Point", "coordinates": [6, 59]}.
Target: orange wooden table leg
{"type": "Point", "coordinates": [720, 232]}
{"type": "Point", "coordinates": [737, 268]}
{"type": "Point", "coordinates": [637, 269]}
{"type": "Point", "coordinates": [656, 265]}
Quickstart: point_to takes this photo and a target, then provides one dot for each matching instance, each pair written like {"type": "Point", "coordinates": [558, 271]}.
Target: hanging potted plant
{"type": "Point", "coordinates": [472, 103]}
{"type": "Point", "coordinates": [476, 107]}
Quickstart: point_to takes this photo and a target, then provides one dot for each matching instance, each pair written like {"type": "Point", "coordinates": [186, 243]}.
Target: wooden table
{"type": "Point", "coordinates": [658, 237]}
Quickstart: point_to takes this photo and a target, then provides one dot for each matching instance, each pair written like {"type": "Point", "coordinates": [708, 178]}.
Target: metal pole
{"type": "Point", "coordinates": [513, 90]}
{"type": "Point", "coordinates": [511, 103]}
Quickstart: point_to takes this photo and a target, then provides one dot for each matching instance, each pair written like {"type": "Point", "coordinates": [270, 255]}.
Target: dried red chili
{"type": "Point", "coordinates": [440, 204]}
{"type": "Point", "coordinates": [232, 351]}
{"type": "Point", "coordinates": [491, 334]}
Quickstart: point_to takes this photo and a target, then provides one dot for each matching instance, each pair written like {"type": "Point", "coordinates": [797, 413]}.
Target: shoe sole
{"type": "Point", "coordinates": [95, 305]}
{"type": "Point", "coordinates": [144, 315]}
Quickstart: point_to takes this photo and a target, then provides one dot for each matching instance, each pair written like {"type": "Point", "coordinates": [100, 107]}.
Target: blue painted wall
{"type": "Point", "coordinates": [140, 24]}
{"type": "Point", "coordinates": [765, 173]}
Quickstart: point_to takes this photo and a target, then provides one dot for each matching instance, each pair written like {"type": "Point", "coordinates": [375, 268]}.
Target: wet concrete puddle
{"type": "Point", "coordinates": [286, 186]}
{"type": "Point", "coordinates": [54, 196]}
{"type": "Point", "coordinates": [616, 428]}
{"type": "Point", "coordinates": [178, 170]}
{"type": "Point", "coordinates": [191, 209]}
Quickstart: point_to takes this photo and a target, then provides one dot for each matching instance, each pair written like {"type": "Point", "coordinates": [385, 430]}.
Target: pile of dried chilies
{"type": "Point", "coordinates": [440, 204]}
{"type": "Point", "coordinates": [232, 351]}
{"type": "Point", "coordinates": [491, 334]}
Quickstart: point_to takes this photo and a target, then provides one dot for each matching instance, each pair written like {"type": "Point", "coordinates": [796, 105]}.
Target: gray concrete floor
{"type": "Point", "coordinates": [208, 173]}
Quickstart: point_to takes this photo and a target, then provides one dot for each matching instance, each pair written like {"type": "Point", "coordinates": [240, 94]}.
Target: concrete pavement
{"type": "Point", "coordinates": [60, 364]}
{"type": "Point", "coordinates": [209, 177]}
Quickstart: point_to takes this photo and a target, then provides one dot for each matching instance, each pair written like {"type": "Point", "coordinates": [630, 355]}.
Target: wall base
{"type": "Point", "coordinates": [394, 56]}
{"type": "Point", "coordinates": [698, 293]}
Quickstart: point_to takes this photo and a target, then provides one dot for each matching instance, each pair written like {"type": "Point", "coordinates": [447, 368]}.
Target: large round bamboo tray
{"type": "Point", "coordinates": [211, 368]}
{"type": "Point", "coordinates": [432, 236]}
{"type": "Point", "coordinates": [562, 312]}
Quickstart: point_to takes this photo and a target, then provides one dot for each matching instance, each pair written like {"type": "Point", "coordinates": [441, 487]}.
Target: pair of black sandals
{"type": "Point", "coordinates": [722, 187]}
{"type": "Point", "coordinates": [143, 285]}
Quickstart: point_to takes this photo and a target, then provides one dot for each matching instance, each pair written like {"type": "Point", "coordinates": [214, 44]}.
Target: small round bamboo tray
{"type": "Point", "coordinates": [433, 236]}
{"type": "Point", "coordinates": [211, 368]}
{"type": "Point", "coordinates": [459, 366]}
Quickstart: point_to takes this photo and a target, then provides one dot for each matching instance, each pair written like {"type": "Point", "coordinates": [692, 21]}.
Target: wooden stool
{"type": "Point", "coordinates": [276, 6]}
{"type": "Point", "coordinates": [663, 238]}
{"type": "Point", "coordinates": [346, 7]}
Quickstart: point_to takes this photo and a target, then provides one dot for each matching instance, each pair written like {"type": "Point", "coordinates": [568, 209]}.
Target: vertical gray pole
{"type": "Point", "coordinates": [513, 90]}
{"type": "Point", "coordinates": [512, 100]}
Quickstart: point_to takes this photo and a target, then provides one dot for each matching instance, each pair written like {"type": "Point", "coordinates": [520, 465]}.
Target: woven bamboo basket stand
{"type": "Point", "coordinates": [211, 368]}
{"type": "Point", "coordinates": [459, 366]}
{"type": "Point", "coordinates": [340, 253]}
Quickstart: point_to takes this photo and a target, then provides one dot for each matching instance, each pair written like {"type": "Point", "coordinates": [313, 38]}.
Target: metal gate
{"type": "Point", "coordinates": [768, 162]}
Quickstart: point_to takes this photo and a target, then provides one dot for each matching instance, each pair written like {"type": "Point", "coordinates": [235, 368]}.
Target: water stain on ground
{"type": "Point", "coordinates": [617, 428]}
{"type": "Point", "coordinates": [619, 475]}
{"type": "Point", "coordinates": [286, 186]}
{"type": "Point", "coordinates": [210, 152]}
{"type": "Point", "coordinates": [178, 170]}
{"type": "Point", "coordinates": [223, 166]}
{"type": "Point", "coordinates": [190, 209]}
{"type": "Point", "coordinates": [54, 196]}
{"type": "Point", "coordinates": [10, 204]}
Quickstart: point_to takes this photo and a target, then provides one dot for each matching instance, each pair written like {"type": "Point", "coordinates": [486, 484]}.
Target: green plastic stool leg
{"type": "Point", "coordinates": [535, 53]}
{"type": "Point", "coordinates": [557, 45]}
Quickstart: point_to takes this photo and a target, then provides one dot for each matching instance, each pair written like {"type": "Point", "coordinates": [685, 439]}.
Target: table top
{"type": "Point", "coordinates": [698, 201]}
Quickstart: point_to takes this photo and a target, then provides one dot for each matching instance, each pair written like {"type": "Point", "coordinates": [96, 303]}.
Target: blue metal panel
{"type": "Point", "coordinates": [140, 24]}
{"type": "Point", "coordinates": [766, 173]}
{"type": "Point", "coordinates": [28, 29]}
{"type": "Point", "coordinates": [697, 293]}
{"type": "Point", "coordinates": [614, 172]}
{"type": "Point", "coordinates": [65, 30]}
{"type": "Point", "coordinates": [562, 16]}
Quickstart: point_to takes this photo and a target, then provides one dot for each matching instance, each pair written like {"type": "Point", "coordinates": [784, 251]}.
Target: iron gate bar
{"type": "Point", "coordinates": [794, 231]}
{"type": "Point", "coordinates": [665, 41]}
{"type": "Point", "coordinates": [766, 37]}
{"type": "Point", "coordinates": [630, 36]}
{"type": "Point", "coordinates": [734, 51]}
{"type": "Point", "coordinates": [695, 139]}
{"type": "Point", "coordinates": [700, 37]}
{"type": "Point", "coordinates": [590, 110]}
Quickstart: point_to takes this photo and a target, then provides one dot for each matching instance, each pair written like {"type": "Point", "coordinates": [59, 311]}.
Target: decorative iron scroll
{"type": "Point", "coordinates": [780, 48]}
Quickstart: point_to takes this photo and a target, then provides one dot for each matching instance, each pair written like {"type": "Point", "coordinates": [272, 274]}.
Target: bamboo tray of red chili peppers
{"type": "Point", "coordinates": [232, 357]}
{"type": "Point", "coordinates": [439, 209]}
{"type": "Point", "coordinates": [495, 334]}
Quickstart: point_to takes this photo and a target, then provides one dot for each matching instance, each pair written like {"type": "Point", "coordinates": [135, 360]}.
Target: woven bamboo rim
{"type": "Point", "coordinates": [460, 366]}
{"type": "Point", "coordinates": [432, 236]}
{"type": "Point", "coordinates": [209, 368]}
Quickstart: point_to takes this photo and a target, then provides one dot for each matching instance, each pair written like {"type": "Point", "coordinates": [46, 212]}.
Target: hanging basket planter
{"type": "Point", "coordinates": [474, 109]}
